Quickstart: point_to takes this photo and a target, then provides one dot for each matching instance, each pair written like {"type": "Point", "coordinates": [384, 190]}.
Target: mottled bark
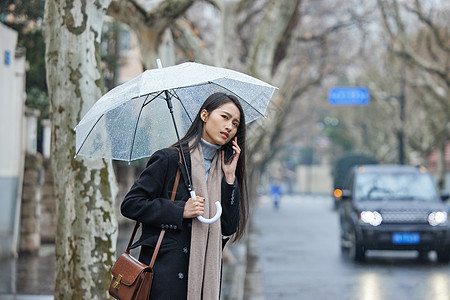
{"type": "Point", "coordinates": [191, 44]}
{"type": "Point", "coordinates": [85, 188]}
{"type": "Point", "coordinates": [150, 25]}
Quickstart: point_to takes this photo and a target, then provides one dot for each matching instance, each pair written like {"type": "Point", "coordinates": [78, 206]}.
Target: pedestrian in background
{"type": "Point", "coordinates": [188, 265]}
{"type": "Point", "coordinates": [275, 193]}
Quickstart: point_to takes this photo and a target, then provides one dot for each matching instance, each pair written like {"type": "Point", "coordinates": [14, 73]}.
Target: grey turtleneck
{"type": "Point", "coordinates": [209, 150]}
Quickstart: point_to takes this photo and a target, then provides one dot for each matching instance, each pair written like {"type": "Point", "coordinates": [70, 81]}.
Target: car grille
{"type": "Point", "coordinates": [405, 216]}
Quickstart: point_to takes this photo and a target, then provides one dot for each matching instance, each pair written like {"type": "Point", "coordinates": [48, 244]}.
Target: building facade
{"type": "Point", "coordinates": [12, 150]}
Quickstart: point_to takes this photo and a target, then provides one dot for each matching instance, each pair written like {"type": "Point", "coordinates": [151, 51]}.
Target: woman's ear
{"type": "Point", "coordinates": [204, 115]}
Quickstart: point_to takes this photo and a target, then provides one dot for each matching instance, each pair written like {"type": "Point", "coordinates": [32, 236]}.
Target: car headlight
{"type": "Point", "coordinates": [373, 218]}
{"type": "Point", "coordinates": [437, 217]}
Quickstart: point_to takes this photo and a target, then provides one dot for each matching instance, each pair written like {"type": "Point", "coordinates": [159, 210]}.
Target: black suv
{"type": "Point", "coordinates": [393, 207]}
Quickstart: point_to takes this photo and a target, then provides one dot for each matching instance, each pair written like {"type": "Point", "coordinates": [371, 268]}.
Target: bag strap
{"type": "Point", "coordinates": [161, 235]}
{"type": "Point", "coordinates": [136, 226]}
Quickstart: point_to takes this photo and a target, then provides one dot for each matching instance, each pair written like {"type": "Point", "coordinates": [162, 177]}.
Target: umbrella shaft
{"type": "Point", "coordinates": [169, 102]}
{"type": "Point", "coordinates": [169, 105]}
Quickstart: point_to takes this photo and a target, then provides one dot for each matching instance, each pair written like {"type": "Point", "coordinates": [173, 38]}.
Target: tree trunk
{"type": "Point", "coordinates": [150, 27]}
{"type": "Point", "coordinates": [85, 189]}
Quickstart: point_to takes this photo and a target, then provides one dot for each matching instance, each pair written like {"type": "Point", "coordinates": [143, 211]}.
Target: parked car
{"type": "Point", "coordinates": [393, 207]}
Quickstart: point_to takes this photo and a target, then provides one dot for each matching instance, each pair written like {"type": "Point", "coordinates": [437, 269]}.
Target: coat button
{"type": "Point", "coordinates": [180, 275]}
{"type": "Point", "coordinates": [162, 226]}
{"type": "Point", "coordinates": [185, 250]}
{"type": "Point", "coordinates": [174, 226]}
{"type": "Point", "coordinates": [171, 226]}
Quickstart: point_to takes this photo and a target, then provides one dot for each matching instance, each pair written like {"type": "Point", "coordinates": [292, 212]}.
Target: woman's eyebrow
{"type": "Point", "coordinates": [230, 115]}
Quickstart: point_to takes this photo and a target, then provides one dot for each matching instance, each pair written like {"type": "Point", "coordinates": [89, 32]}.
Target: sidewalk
{"type": "Point", "coordinates": [32, 277]}
{"type": "Point", "coordinates": [28, 275]}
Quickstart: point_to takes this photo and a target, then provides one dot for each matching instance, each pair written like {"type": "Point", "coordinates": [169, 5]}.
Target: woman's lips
{"type": "Point", "coordinates": [225, 134]}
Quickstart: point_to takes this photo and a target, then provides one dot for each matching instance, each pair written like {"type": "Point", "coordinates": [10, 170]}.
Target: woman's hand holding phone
{"type": "Point", "coordinates": [229, 167]}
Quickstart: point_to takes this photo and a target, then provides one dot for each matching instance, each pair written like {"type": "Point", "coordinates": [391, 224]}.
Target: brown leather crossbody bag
{"type": "Point", "coordinates": [132, 279]}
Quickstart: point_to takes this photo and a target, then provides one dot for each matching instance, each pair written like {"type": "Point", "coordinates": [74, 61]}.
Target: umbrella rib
{"type": "Point", "coordinates": [234, 93]}
{"type": "Point", "coordinates": [182, 104]}
{"type": "Point", "coordinates": [135, 128]}
{"type": "Point", "coordinates": [85, 139]}
{"type": "Point", "coordinates": [239, 97]}
{"type": "Point", "coordinates": [148, 102]}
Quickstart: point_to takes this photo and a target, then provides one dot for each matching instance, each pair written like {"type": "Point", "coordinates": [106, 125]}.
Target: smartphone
{"type": "Point", "coordinates": [229, 152]}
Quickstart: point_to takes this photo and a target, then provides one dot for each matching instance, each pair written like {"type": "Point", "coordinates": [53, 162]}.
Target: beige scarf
{"type": "Point", "coordinates": [206, 250]}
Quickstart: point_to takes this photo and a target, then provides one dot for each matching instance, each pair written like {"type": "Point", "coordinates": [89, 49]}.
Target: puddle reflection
{"type": "Point", "coordinates": [27, 275]}
{"type": "Point", "coordinates": [439, 287]}
{"type": "Point", "coordinates": [369, 287]}
{"type": "Point", "coordinates": [397, 277]}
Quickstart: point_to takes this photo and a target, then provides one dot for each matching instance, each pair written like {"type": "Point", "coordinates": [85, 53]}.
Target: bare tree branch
{"type": "Point", "coordinates": [434, 29]}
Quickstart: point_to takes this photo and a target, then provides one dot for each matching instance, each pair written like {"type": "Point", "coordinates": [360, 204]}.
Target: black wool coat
{"type": "Point", "coordinates": [148, 202]}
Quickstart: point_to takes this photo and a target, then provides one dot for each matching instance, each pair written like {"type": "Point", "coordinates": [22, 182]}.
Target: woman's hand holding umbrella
{"type": "Point", "coordinates": [194, 207]}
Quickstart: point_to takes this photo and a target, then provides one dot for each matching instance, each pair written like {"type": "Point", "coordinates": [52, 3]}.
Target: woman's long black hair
{"type": "Point", "coordinates": [194, 134]}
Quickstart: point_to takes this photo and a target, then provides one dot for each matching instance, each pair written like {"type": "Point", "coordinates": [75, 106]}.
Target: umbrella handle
{"type": "Point", "coordinates": [213, 219]}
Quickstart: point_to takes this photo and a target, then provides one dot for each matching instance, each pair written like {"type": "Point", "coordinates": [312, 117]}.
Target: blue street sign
{"type": "Point", "coordinates": [348, 96]}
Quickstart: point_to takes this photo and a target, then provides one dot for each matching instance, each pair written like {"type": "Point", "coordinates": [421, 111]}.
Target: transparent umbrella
{"type": "Point", "coordinates": [151, 111]}
{"type": "Point", "coordinates": [132, 120]}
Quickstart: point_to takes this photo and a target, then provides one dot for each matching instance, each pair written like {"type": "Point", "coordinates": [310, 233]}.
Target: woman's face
{"type": "Point", "coordinates": [221, 124]}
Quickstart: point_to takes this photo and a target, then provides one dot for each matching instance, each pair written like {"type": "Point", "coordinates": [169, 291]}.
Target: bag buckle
{"type": "Point", "coordinates": [116, 283]}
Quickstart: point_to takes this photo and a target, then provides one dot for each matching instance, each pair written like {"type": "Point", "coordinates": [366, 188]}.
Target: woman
{"type": "Point", "coordinates": [188, 265]}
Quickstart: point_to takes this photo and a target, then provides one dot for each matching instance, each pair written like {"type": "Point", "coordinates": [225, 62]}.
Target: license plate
{"type": "Point", "coordinates": [406, 238]}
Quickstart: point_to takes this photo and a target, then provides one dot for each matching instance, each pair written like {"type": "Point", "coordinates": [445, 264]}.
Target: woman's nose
{"type": "Point", "coordinates": [228, 126]}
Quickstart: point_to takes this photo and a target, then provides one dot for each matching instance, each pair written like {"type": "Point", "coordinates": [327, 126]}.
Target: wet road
{"type": "Point", "coordinates": [300, 257]}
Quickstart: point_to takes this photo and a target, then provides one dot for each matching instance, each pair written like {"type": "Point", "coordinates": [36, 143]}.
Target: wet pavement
{"type": "Point", "coordinates": [290, 253]}
{"type": "Point", "coordinates": [298, 249]}
{"type": "Point", "coordinates": [26, 276]}
{"type": "Point", "coordinates": [32, 277]}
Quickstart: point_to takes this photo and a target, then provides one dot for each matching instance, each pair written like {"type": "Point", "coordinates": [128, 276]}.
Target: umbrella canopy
{"type": "Point", "coordinates": [132, 120]}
